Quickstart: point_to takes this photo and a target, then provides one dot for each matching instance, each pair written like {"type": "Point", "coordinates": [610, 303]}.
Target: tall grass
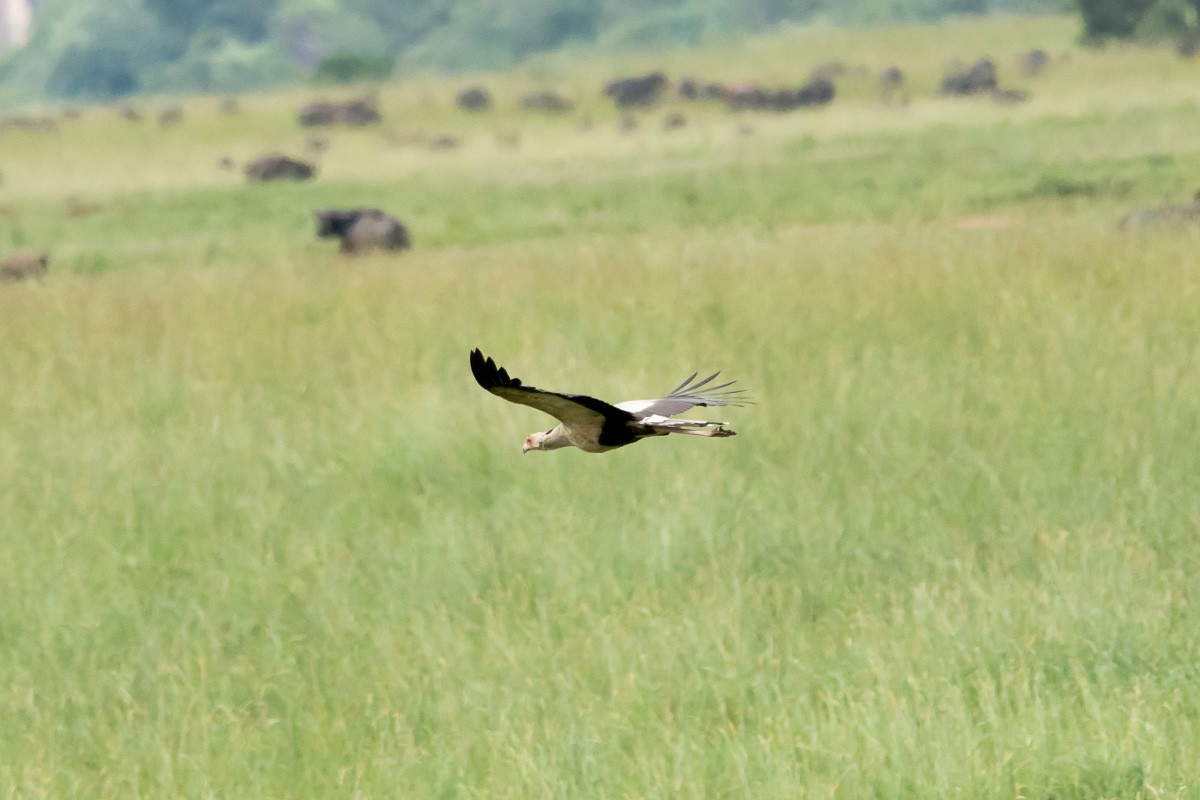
{"type": "Point", "coordinates": [264, 536]}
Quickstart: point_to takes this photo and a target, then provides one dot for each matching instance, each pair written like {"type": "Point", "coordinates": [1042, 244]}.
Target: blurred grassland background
{"type": "Point", "coordinates": [263, 536]}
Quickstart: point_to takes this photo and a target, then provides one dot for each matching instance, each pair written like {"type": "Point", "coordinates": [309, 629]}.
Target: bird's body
{"type": "Point", "coordinates": [595, 426]}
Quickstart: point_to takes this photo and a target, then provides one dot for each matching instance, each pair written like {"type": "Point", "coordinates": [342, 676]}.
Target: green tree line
{"type": "Point", "coordinates": [96, 49]}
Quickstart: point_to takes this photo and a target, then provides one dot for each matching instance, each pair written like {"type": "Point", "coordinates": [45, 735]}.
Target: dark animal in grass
{"type": "Point", "coordinates": [359, 112]}
{"type": "Point", "coordinates": [319, 113]}
{"type": "Point", "coordinates": [546, 100]}
{"type": "Point", "coordinates": [362, 111]}
{"type": "Point", "coordinates": [891, 87]}
{"type": "Point", "coordinates": [24, 264]}
{"type": "Point", "coordinates": [507, 138]}
{"type": "Point", "coordinates": [28, 123]}
{"type": "Point", "coordinates": [978, 78]}
{"type": "Point", "coordinates": [474, 98]}
{"type": "Point", "coordinates": [712, 91]}
{"type": "Point", "coordinates": [78, 208]}
{"type": "Point", "coordinates": [674, 121]}
{"type": "Point", "coordinates": [693, 89]}
{"type": "Point", "coordinates": [363, 229]}
{"type": "Point", "coordinates": [1010, 97]}
{"type": "Point", "coordinates": [741, 97]}
{"type": "Point", "coordinates": [275, 167]}
{"type": "Point", "coordinates": [1032, 62]}
{"type": "Point", "coordinates": [816, 92]}
{"type": "Point", "coordinates": [443, 142]}
{"type": "Point", "coordinates": [643, 90]}
{"type": "Point", "coordinates": [171, 115]}
{"type": "Point", "coordinates": [1165, 215]}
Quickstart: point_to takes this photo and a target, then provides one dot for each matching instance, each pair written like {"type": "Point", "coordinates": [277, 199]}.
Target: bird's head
{"type": "Point", "coordinates": [534, 441]}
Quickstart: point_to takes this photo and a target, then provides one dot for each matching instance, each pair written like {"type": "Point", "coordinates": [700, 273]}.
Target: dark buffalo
{"type": "Point", "coordinates": [25, 264]}
{"type": "Point", "coordinates": [171, 115]}
{"type": "Point", "coordinates": [639, 91]}
{"type": "Point", "coordinates": [363, 229]}
{"type": "Point", "coordinates": [443, 142]}
{"type": "Point", "coordinates": [352, 112]}
{"type": "Point", "coordinates": [891, 86]}
{"type": "Point", "coordinates": [28, 123]}
{"type": "Point", "coordinates": [319, 113]}
{"type": "Point", "coordinates": [674, 121]}
{"type": "Point", "coordinates": [742, 96]}
{"type": "Point", "coordinates": [359, 112]}
{"type": "Point", "coordinates": [1010, 97]}
{"type": "Point", "coordinates": [474, 98]}
{"type": "Point", "coordinates": [816, 92]}
{"type": "Point", "coordinates": [692, 89]}
{"type": "Point", "coordinates": [980, 77]}
{"type": "Point", "coordinates": [1032, 62]}
{"type": "Point", "coordinates": [546, 100]}
{"type": "Point", "coordinates": [279, 167]}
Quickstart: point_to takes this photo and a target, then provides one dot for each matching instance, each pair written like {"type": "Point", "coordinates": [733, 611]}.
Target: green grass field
{"type": "Point", "coordinates": [262, 536]}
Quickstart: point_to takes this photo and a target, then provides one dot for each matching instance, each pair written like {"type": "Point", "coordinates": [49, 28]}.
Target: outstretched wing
{"type": "Point", "coordinates": [687, 395]}
{"type": "Point", "coordinates": [576, 410]}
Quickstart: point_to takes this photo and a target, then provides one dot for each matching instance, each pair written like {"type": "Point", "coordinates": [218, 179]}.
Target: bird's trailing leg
{"type": "Point", "coordinates": [691, 427]}
{"type": "Point", "coordinates": [715, 433]}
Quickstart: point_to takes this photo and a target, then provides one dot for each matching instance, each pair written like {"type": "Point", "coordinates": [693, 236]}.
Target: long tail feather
{"type": "Point", "coordinates": [711, 395]}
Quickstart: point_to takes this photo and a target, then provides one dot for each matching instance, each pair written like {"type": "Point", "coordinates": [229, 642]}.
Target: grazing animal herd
{"type": "Point", "coordinates": [361, 230]}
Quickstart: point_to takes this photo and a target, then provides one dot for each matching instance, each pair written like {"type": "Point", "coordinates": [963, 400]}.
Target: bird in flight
{"type": "Point", "coordinates": [595, 426]}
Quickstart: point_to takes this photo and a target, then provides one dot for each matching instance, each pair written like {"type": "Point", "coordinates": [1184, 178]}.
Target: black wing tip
{"type": "Point", "coordinates": [488, 374]}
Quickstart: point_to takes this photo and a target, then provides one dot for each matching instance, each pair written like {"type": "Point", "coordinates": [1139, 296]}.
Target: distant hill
{"type": "Point", "coordinates": [102, 49]}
